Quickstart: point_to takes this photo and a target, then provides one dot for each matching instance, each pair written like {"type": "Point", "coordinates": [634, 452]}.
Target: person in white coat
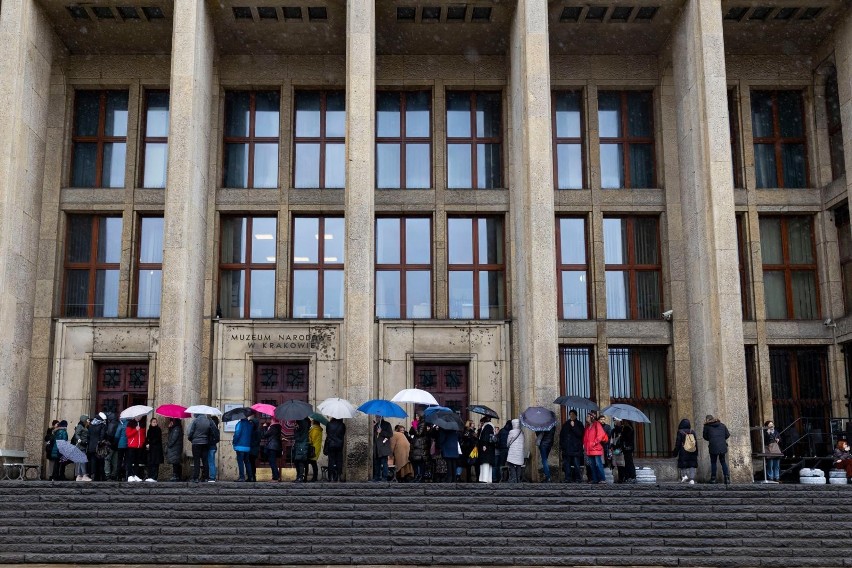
{"type": "Point", "coordinates": [516, 452]}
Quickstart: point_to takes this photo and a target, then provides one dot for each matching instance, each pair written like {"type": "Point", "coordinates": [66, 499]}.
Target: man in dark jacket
{"type": "Point", "coordinates": [111, 461]}
{"type": "Point", "coordinates": [382, 434]}
{"type": "Point", "coordinates": [199, 436]}
{"type": "Point", "coordinates": [335, 433]}
{"type": "Point", "coordinates": [544, 441]}
{"type": "Point", "coordinates": [174, 448]}
{"type": "Point", "coordinates": [717, 436]}
{"type": "Point", "coordinates": [255, 445]}
{"type": "Point", "coordinates": [97, 434]}
{"type": "Point", "coordinates": [571, 444]}
{"type": "Point", "coordinates": [81, 440]}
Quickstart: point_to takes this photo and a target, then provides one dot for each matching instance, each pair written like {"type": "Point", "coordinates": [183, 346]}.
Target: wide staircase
{"type": "Point", "coordinates": [403, 524]}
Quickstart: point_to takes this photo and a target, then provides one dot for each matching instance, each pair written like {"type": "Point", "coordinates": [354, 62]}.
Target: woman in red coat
{"type": "Point", "coordinates": [135, 443]}
{"type": "Point", "coordinates": [593, 440]}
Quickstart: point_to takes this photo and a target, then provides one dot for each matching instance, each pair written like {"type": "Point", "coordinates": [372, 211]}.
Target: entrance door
{"type": "Point", "coordinates": [448, 383]}
{"type": "Point", "coordinates": [275, 383]}
{"type": "Point", "coordinates": [120, 386]}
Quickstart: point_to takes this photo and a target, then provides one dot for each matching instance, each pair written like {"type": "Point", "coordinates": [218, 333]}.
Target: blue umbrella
{"type": "Point", "coordinates": [385, 408]}
{"type": "Point", "coordinates": [433, 409]}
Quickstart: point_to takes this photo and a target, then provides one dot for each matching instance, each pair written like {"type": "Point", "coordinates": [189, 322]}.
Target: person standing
{"type": "Point", "coordinates": [486, 450]}
{"type": "Point", "coordinates": [97, 434]}
{"type": "Point", "coordinates": [571, 445]}
{"type": "Point", "coordinates": [242, 446]}
{"type": "Point", "coordinates": [111, 460]}
{"type": "Point", "coordinates": [382, 434]}
{"type": "Point", "coordinates": [501, 450]}
{"type": "Point", "coordinates": [594, 438]}
{"type": "Point", "coordinates": [199, 436]}
{"type": "Point", "coordinates": [154, 445]}
{"type": "Point", "coordinates": [419, 451]}
{"type": "Point", "coordinates": [254, 453]}
{"type": "Point", "coordinates": [686, 450]}
{"type": "Point", "coordinates": [401, 450]}
{"type": "Point", "coordinates": [174, 448]}
{"type": "Point", "coordinates": [315, 441]}
{"type": "Point", "coordinates": [771, 445]}
{"type": "Point", "coordinates": [716, 434]}
{"type": "Point", "coordinates": [135, 443]}
{"type": "Point", "coordinates": [335, 433]}
{"type": "Point", "coordinates": [213, 446]}
{"type": "Point", "coordinates": [272, 435]}
{"type": "Point", "coordinates": [81, 440]}
{"type": "Point", "coordinates": [301, 449]}
{"type": "Point", "coordinates": [448, 442]}
{"type": "Point", "coordinates": [544, 441]}
{"type": "Point", "coordinates": [628, 446]}
{"type": "Point", "coordinates": [59, 434]}
{"type": "Point", "coordinates": [121, 444]}
{"type": "Point", "coordinates": [469, 442]}
{"type": "Point", "coordinates": [607, 449]}
{"type": "Point", "coordinates": [515, 452]}
{"type": "Point", "coordinates": [49, 444]}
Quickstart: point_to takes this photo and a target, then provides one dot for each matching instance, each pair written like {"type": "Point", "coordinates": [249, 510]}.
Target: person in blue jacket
{"type": "Point", "coordinates": [242, 445]}
{"type": "Point", "coordinates": [121, 437]}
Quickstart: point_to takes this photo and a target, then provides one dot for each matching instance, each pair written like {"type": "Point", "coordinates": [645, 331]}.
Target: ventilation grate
{"type": "Point", "coordinates": [608, 14]}
{"type": "Point", "coordinates": [769, 14]}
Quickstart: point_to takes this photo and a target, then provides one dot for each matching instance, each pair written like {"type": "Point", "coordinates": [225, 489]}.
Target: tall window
{"type": "Point", "coordinates": [403, 267]}
{"type": "Point", "coordinates": [778, 127]}
{"type": "Point", "coordinates": [632, 257]}
{"type": "Point", "coordinates": [568, 139]}
{"type": "Point", "coordinates": [247, 267]}
{"type": "Point", "coordinates": [626, 124]}
{"type": "Point", "coordinates": [844, 245]}
{"type": "Point", "coordinates": [575, 364]}
{"type": "Point", "coordinates": [474, 140]}
{"type": "Point", "coordinates": [734, 122]}
{"type": "Point", "coordinates": [476, 267]}
{"type": "Point", "coordinates": [572, 268]}
{"type": "Point", "coordinates": [92, 262]}
{"type": "Point", "coordinates": [99, 142]}
{"type": "Point", "coordinates": [149, 268]}
{"type": "Point", "coordinates": [317, 284]}
{"type": "Point", "coordinates": [835, 129]}
{"type": "Point", "coordinates": [320, 140]}
{"type": "Point", "coordinates": [637, 376]}
{"type": "Point", "coordinates": [403, 140]}
{"type": "Point", "coordinates": [789, 268]}
{"type": "Point", "coordinates": [155, 142]}
{"type": "Point", "coordinates": [743, 257]}
{"type": "Point", "coordinates": [800, 392]}
{"type": "Point", "coordinates": [251, 138]}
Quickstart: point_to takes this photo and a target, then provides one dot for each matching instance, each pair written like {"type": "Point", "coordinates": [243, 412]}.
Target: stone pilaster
{"type": "Point", "coordinates": [359, 340]}
{"type": "Point", "coordinates": [712, 285]}
{"type": "Point", "coordinates": [843, 62]}
{"type": "Point", "coordinates": [185, 233]}
{"type": "Point", "coordinates": [25, 65]}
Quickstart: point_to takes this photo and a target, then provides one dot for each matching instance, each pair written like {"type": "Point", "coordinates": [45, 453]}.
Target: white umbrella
{"type": "Point", "coordinates": [414, 396]}
{"type": "Point", "coordinates": [203, 409]}
{"type": "Point", "coordinates": [337, 408]}
{"type": "Point", "coordinates": [138, 410]}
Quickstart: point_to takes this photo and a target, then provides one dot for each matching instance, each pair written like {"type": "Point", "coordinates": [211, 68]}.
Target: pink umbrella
{"type": "Point", "coordinates": [173, 411]}
{"type": "Point", "coordinates": [264, 408]}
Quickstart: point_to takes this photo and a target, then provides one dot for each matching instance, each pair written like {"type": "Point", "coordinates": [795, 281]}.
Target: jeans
{"type": "Point", "coordinates": [723, 459]}
{"type": "Point", "coordinates": [418, 470]}
{"type": "Point", "coordinates": [244, 465]}
{"type": "Point", "coordinates": [596, 466]}
{"type": "Point", "coordinates": [380, 468]}
{"type": "Point", "coordinates": [573, 468]}
{"type": "Point", "coordinates": [211, 460]}
{"type": "Point", "coordinates": [272, 458]}
{"type": "Point", "coordinates": [335, 464]}
{"type": "Point", "coordinates": [544, 451]}
{"type": "Point", "coordinates": [773, 469]}
{"type": "Point", "coordinates": [301, 470]}
{"type": "Point", "coordinates": [111, 465]}
{"type": "Point", "coordinates": [200, 462]}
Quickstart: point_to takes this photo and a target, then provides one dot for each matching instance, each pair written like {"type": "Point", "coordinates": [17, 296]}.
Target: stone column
{"type": "Point", "coordinates": [359, 341]}
{"type": "Point", "coordinates": [717, 360]}
{"type": "Point", "coordinates": [180, 361]}
{"type": "Point", "coordinates": [843, 63]}
{"type": "Point", "coordinates": [25, 63]}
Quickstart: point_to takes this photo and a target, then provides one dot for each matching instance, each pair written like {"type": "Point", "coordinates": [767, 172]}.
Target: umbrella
{"type": "Point", "coordinates": [138, 410]}
{"type": "Point", "coordinates": [319, 418]}
{"type": "Point", "coordinates": [71, 452]}
{"type": "Point", "coordinates": [337, 408]}
{"type": "Point", "coordinates": [237, 414]}
{"type": "Point", "coordinates": [261, 408]}
{"type": "Point", "coordinates": [172, 411]}
{"type": "Point", "coordinates": [625, 412]}
{"type": "Point", "coordinates": [415, 396]}
{"type": "Point", "coordinates": [447, 420]}
{"type": "Point", "coordinates": [433, 409]}
{"type": "Point", "coordinates": [484, 410]}
{"type": "Point", "coordinates": [293, 410]}
{"type": "Point", "coordinates": [578, 402]}
{"type": "Point", "coordinates": [538, 419]}
{"type": "Point", "coordinates": [204, 409]}
{"type": "Point", "coordinates": [380, 407]}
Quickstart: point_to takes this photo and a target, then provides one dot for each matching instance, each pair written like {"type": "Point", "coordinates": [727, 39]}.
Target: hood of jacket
{"type": "Point", "coordinates": [516, 424]}
{"type": "Point", "coordinates": [684, 425]}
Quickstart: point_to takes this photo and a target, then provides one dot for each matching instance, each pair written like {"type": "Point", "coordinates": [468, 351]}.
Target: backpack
{"type": "Point", "coordinates": [214, 434]}
{"type": "Point", "coordinates": [689, 444]}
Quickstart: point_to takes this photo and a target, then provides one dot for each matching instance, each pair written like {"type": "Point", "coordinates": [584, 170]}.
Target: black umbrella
{"type": "Point", "coordinates": [445, 420]}
{"type": "Point", "coordinates": [237, 414]}
{"type": "Point", "coordinates": [293, 410]}
{"type": "Point", "coordinates": [484, 410]}
{"type": "Point", "coordinates": [578, 402]}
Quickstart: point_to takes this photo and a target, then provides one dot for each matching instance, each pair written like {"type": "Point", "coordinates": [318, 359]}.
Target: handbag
{"type": "Point", "coordinates": [774, 449]}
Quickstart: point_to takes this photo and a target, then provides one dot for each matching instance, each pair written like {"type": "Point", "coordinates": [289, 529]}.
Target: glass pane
{"type": "Point", "coordinates": [617, 294]}
{"type": "Point", "coordinates": [489, 166]}
{"type": "Point", "coordinates": [76, 293]}
{"type": "Point", "coordinates": [461, 294]}
{"type": "Point", "coordinates": [645, 240]}
{"type": "Point", "coordinates": [263, 239]}
{"type": "Point", "coordinates": [609, 114]}
{"type": "Point", "coordinates": [804, 294]}
{"type": "Point", "coordinates": [418, 241]}
{"type": "Point", "coordinates": [236, 165]}
{"type": "Point", "coordinates": [793, 164]}
{"type": "Point", "coordinates": [157, 117]}
{"type": "Point", "coordinates": [387, 114]}
{"type": "Point", "coordinates": [335, 232]}
{"type": "Point", "coordinates": [237, 108]}
{"type": "Point", "coordinates": [458, 115]}
{"type": "Point", "coordinates": [648, 294]}
{"type": "Point", "coordinates": [572, 240]}
{"type": "Point", "coordinates": [639, 114]}
{"type": "Point", "coordinates": [569, 166]}
{"type": "Point", "coordinates": [418, 166]}
{"type": "Point", "coordinates": [86, 113]}
{"type": "Point", "coordinates": [387, 166]}
{"type": "Point", "coordinates": [232, 285]}
{"type": "Point", "coordinates": [266, 114]}
{"type": "Point", "coordinates": [775, 294]}
{"type": "Point", "coordinates": [308, 113]}
{"type": "Point", "coordinates": [641, 165]}
{"type": "Point", "coordinates": [234, 239]}
{"type": "Point", "coordinates": [335, 166]}
{"type": "Point", "coordinates": [459, 166]}
{"type": "Point", "coordinates": [761, 114]}
{"type": "Point", "coordinates": [79, 238]}
{"type": "Point", "coordinates": [262, 294]}
{"type": "Point", "coordinates": [790, 114]}
{"type": "Point", "coordinates": [106, 294]}
{"type": "Point", "coordinates": [417, 114]}
{"type": "Point", "coordinates": [387, 294]}
{"type": "Point", "coordinates": [764, 166]}
{"type": "Point", "coordinates": [333, 294]}
{"type": "Point", "coordinates": [418, 292]}
{"type": "Point", "coordinates": [568, 114]}
{"type": "Point", "coordinates": [109, 239]}
{"type": "Point", "coordinates": [612, 166]}
{"type": "Point", "coordinates": [799, 240]}
{"type": "Point", "coordinates": [116, 114]}
{"type": "Point", "coordinates": [156, 164]}
{"type": "Point", "coordinates": [491, 294]}
{"type": "Point", "coordinates": [335, 115]}
{"type": "Point", "coordinates": [265, 165]}
{"type": "Point", "coordinates": [150, 292]}
{"type": "Point", "coordinates": [770, 241]}
{"type": "Point", "coordinates": [575, 303]}
{"type": "Point", "coordinates": [305, 241]}
{"type": "Point", "coordinates": [615, 241]}
{"type": "Point", "coordinates": [488, 115]}
{"type": "Point", "coordinates": [151, 243]}
{"type": "Point", "coordinates": [490, 233]}
{"type": "Point", "coordinates": [460, 240]}
{"type": "Point", "coordinates": [305, 293]}
{"type": "Point", "coordinates": [113, 166]}
{"type": "Point", "coordinates": [307, 165]}
{"type": "Point", "coordinates": [387, 241]}
{"type": "Point", "coordinates": [85, 166]}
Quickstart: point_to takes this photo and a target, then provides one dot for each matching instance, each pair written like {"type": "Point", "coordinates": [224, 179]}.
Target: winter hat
{"type": "Point", "coordinates": [102, 415]}
{"type": "Point", "coordinates": [709, 418]}
{"type": "Point", "coordinates": [63, 424]}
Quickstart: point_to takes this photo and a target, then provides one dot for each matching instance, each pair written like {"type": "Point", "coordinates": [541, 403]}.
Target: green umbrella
{"type": "Point", "coordinates": [319, 418]}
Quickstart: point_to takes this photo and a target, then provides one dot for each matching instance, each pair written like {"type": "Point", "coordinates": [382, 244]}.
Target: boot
{"type": "Point", "coordinates": [727, 480]}
{"type": "Point", "coordinates": [712, 480]}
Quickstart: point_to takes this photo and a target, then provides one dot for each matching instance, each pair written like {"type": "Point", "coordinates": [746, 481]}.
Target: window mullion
{"type": "Point", "coordinates": [247, 264]}
{"type": "Point", "coordinates": [250, 165]}
{"type": "Point", "coordinates": [321, 269]}
{"type": "Point", "coordinates": [625, 147]}
{"type": "Point", "coordinates": [474, 176]}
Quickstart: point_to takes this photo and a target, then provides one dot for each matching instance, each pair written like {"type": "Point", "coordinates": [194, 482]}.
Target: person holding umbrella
{"type": "Point", "coordinates": [272, 435]}
{"type": "Point", "coordinates": [242, 446]}
{"type": "Point", "coordinates": [515, 452]}
{"type": "Point", "coordinates": [81, 440]}
{"type": "Point", "coordinates": [199, 436]}
{"type": "Point", "coordinates": [335, 433]}
{"type": "Point", "coordinates": [544, 441]}
{"type": "Point", "coordinates": [419, 451]}
{"type": "Point", "coordinates": [571, 444]}
{"type": "Point", "coordinates": [382, 434]}
{"type": "Point", "coordinates": [174, 448]}
{"type": "Point", "coordinates": [121, 445]}
{"type": "Point", "coordinates": [60, 433]}
{"type": "Point", "coordinates": [301, 449]}
{"type": "Point", "coordinates": [486, 449]}
{"type": "Point", "coordinates": [593, 439]}
{"type": "Point", "coordinates": [448, 442]}
{"type": "Point", "coordinates": [135, 443]}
